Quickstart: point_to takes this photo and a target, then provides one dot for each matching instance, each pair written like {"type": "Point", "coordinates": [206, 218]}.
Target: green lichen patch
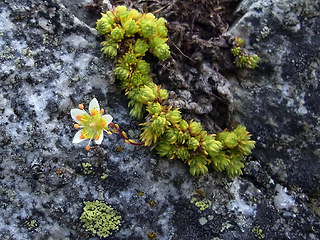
{"type": "Point", "coordinates": [100, 218]}
{"type": "Point", "coordinates": [31, 224]}
{"type": "Point", "coordinates": [258, 232]}
{"type": "Point", "coordinates": [201, 204]}
{"type": "Point", "coordinates": [86, 168]}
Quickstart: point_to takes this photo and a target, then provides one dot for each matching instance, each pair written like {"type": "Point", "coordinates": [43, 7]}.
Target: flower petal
{"type": "Point", "coordinates": [94, 105]}
{"type": "Point", "coordinates": [108, 118]}
{"type": "Point", "coordinates": [76, 112]}
{"type": "Point", "coordinates": [99, 141]}
{"type": "Point", "coordinates": [76, 138]}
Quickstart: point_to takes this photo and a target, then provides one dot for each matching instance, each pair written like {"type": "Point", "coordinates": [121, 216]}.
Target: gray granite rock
{"type": "Point", "coordinates": [50, 62]}
{"type": "Point", "coordinates": [279, 100]}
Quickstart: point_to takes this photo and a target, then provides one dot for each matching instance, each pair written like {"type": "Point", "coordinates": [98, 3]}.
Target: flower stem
{"type": "Point", "coordinates": [122, 134]}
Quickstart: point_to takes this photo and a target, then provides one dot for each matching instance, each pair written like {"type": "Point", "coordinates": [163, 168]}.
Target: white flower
{"type": "Point", "coordinates": [91, 125]}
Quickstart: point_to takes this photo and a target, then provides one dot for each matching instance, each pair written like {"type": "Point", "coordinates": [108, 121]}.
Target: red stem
{"type": "Point", "coordinates": [119, 132]}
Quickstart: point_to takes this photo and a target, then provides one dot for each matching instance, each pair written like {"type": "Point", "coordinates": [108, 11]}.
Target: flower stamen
{"type": "Point", "coordinates": [92, 125]}
{"type": "Point", "coordinates": [81, 106]}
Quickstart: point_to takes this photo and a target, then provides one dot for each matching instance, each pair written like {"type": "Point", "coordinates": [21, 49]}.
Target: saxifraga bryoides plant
{"type": "Point", "coordinates": [129, 35]}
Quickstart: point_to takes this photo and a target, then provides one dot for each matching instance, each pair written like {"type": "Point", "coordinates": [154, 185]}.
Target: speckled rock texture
{"type": "Point", "coordinates": [282, 95]}
{"type": "Point", "coordinates": [50, 61]}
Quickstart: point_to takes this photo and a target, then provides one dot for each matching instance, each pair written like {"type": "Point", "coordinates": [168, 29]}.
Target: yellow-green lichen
{"type": "Point", "coordinates": [104, 176]}
{"type": "Point", "coordinates": [100, 219]}
{"type": "Point", "coordinates": [152, 235]}
{"type": "Point", "coordinates": [202, 204]}
{"type": "Point", "coordinates": [258, 232]}
{"type": "Point", "coordinates": [225, 226]}
{"type": "Point", "coordinates": [32, 224]}
{"type": "Point", "coordinates": [86, 168]}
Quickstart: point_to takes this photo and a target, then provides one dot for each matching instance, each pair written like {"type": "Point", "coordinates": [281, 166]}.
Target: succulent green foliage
{"type": "Point", "coordinates": [236, 144]}
{"type": "Point", "coordinates": [105, 23]}
{"type": "Point", "coordinates": [149, 32]}
{"type": "Point", "coordinates": [211, 146]}
{"type": "Point", "coordinates": [139, 33]}
{"type": "Point", "coordinates": [117, 34]}
{"type": "Point", "coordinates": [130, 27]}
{"type": "Point", "coordinates": [172, 136]}
{"type": "Point", "coordinates": [159, 48]}
{"type": "Point", "coordinates": [242, 59]}
{"type": "Point", "coordinates": [109, 48]}
{"type": "Point", "coordinates": [148, 28]}
{"type": "Point", "coordinates": [154, 129]}
{"type": "Point", "coordinates": [140, 47]}
{"type": "Point", "coordinates": [198, 165]}
{"type": "Point", "coordinates": [99, 218]}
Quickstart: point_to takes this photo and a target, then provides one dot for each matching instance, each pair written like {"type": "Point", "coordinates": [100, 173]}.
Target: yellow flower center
{"type": "Point", "coordinates": [93, 124]}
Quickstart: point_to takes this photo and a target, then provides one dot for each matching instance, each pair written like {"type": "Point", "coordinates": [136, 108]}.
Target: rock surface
{"type": "Point", "coordinates": [50, 61]}
{"type": "Point", "coordinates": [281, 96]}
